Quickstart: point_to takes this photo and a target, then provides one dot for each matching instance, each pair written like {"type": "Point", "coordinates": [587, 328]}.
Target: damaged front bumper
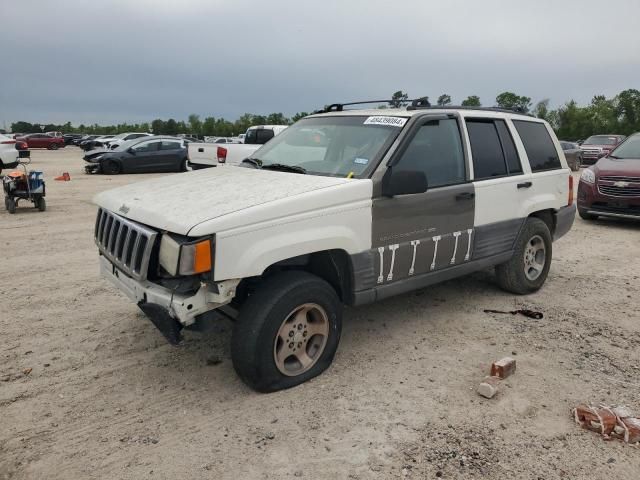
{"type": "Point", "coordinates": [168, 310]}
{"type": "Point", "coordinates": [92, 168]}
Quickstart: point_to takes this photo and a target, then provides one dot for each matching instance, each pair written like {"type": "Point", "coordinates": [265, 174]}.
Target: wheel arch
{"type": "Point", "coordinates": [334, 266]}
{"type": "Point", "coordinates": [548, 216]}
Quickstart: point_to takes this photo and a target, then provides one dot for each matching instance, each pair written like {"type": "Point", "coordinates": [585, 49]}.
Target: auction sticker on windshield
{"type": "Point", "coordinates": [388, 121]}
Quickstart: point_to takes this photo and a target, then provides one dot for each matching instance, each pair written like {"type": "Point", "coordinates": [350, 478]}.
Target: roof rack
{"type": "Point", "coordinates": [460, 107]}
{"type": "Point", "coordinates": [421, 104]}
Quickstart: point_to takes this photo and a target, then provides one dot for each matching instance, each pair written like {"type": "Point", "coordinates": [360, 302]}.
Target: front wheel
{"type": "Point", "coordinates": [287, 332]}
{"type": "Point", "coordinates": [11, 204]}
{"type": "Point", "coordinates": [111, 167]}
{"type": "Point", "coordinates": [41, 204]}
{"type": "Point", "coordinates": [528, 268]}
{"type": "Point", "coordinates": [53, 146]}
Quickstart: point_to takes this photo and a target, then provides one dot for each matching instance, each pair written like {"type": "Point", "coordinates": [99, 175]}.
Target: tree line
{"type": "Point", "coordinates": [619, 114]}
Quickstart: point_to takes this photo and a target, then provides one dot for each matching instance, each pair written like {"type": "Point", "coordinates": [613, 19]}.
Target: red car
{"type": "Point", "coordinates": [611, 187]}
{"type": "Point", "coordinates": [597, 146]}
{"type": "Point", "coordinates": [42, 140]}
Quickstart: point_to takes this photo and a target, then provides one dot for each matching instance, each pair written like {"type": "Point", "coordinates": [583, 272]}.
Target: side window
{"type": "Point", "coordinates": [436, 149]}
{"type": "Point", "coordinates": [509, 148]}
{"type": "Point", "coordinates": [263, 135]}
{"type": "Point", "coordinates": [538, 145]}
{"type": "Point", "coordinates": [169, 145]}
{"type": "Point", "coordinates": [493, 150]}
{"type": "Point", "coordinates": [147, 147]}
{"type": "Point", "coordinates": [488, 157]}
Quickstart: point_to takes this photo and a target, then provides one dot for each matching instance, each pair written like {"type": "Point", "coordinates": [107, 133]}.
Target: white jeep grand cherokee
{"type": "Point", "coordinates": [344, 207]}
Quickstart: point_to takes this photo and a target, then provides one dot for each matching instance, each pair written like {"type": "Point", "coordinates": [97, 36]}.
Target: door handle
{"type": "Point", "coordinates": [525, 185]}
{"type": "Point", "coordinates": [465, 196]}
{"type": "Point", "coordinates": [201, 149]}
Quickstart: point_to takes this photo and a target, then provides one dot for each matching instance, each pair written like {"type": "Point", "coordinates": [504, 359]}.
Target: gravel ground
{"type": "Point", "coordinates": [89, 389]}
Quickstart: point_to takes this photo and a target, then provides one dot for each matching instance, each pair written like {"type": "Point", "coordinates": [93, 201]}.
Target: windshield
{"type": "Point", "coordinates": [629, 149]}
{"type": "Point", "coordinates": [601, 140]}
{"type": "Point", "coordinates": [334, 146]}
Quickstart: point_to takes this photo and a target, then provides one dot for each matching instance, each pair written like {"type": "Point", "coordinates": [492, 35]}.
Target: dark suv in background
{"type": "Point", "coordinates": [611, 187]}
{"type": "Point", "coordinates": [597, 146]}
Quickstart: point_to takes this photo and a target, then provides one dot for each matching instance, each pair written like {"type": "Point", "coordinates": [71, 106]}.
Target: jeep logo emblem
{"type": "Point", "coordinates": [616, 184]}
{"type": "Point", "coordinates": [124, 209]}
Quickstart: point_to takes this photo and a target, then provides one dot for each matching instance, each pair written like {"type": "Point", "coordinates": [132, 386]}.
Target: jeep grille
{"type": "Point", "coordinates": [126, 244]}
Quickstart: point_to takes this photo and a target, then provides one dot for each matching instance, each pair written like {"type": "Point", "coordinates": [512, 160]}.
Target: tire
{"type": "Point", "coordinates": [528, 268]}
{"type": "Point", "coordinates": [41, 204]}
{"type": "Point", "coordinates": [111, 167]}
{"type": "Point", "coordinates": [587, 216]}
{"type": "Point", "coordinates": [186, 166]}
{"type": "Point", "coordinates": [11, 205]}
{"type": "Point", "coordinates": [53, 146]}
{"type": "Point", "coordinates": [269, 315]}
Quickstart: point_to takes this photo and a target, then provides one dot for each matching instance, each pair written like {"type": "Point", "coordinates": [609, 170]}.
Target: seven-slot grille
{"type": "Point", "coordinates": [126, 244]}
{"type": "Point", "coordinates": [619, 186]}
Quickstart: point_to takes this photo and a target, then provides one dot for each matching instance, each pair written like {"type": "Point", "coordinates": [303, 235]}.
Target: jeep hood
{"type": "Point", "coordinates": [228, 197]}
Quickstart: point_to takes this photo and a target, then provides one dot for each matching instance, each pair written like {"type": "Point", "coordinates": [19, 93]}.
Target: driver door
{"type": "Point", "coordinates": [420, 234]}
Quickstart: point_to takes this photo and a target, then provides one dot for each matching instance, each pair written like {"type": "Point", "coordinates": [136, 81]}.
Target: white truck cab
{"type": "Point", "coordinates": [345, 207]}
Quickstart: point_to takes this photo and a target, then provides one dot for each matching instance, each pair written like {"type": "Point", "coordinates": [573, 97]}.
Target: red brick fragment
{"type": "Point", "coordinates": [503, 368]}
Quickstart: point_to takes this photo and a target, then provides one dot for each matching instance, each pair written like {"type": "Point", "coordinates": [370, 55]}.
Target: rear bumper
{"type": "Point", "coordinates": [564, 221]}
{"type": "Point", "coordinates": [591, 201]}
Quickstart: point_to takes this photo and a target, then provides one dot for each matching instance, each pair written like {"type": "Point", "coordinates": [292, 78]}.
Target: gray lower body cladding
{"type": "Point", "coordinates": [397, 268]}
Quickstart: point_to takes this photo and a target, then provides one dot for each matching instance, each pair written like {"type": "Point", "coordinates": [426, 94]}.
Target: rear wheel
{"type": "Point", "coordinates": [186, 166]}
{"type": "Point", "coordinates": [41, 204]}
{"type": "Point", "coordinates": [287, 332]}
{"type": "Point", "coordinates": [111, 167]}
{"type": "Point", "coordinates": [528, 268]}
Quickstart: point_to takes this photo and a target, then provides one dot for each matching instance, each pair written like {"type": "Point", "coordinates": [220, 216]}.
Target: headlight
{"type": "Point", "coordinates": [188, 258]}
{"type": "Point", "coordinates": [588, 176]}
{"type": "Point", "coordinates": [96, 159]}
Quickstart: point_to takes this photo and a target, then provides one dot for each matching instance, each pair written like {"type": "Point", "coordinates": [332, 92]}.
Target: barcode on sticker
{"type": "Point", "coordinates": [388, 121]}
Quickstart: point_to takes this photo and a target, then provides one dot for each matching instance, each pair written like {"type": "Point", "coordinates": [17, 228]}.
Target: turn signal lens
{"type": "Point", "coordinates": [195, 258]}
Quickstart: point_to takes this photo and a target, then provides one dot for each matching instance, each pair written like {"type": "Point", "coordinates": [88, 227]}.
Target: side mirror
{"type": "Point", "coordinates": [131, 151]}
{"type": "Point", "coordinates": [403, 182]}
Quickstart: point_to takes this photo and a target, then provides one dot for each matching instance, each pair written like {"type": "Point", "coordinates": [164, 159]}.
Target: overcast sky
{"type": "Point", "coordinates": [110, 61]}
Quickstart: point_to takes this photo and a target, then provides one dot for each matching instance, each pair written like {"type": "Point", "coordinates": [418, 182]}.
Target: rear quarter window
{"type": "Point", "coordinates": [538, 145]}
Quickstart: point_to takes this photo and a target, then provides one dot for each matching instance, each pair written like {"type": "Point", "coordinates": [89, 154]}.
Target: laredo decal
{"type": "Point", "coordinates": [423, 256]}
{"type": "Point", "coordinates": [387, 121]}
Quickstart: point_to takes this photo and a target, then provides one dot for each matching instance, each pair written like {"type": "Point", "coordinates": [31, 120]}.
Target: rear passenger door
{"type": "Point", "coordinates": [550, 188]}
{"type": "Point", "coordinates": [422, 233]}
{"type": "Point", "coordinates": [171, 156]}
{"type": "Point", "coordinates": [501, 184]}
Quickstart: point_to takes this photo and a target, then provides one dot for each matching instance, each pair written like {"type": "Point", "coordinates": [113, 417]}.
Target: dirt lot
{"type": "Point", "coordinates": [108, 398]}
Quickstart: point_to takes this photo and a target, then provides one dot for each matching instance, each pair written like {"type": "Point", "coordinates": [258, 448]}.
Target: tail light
{"type": "Point", "coordinates": [221, 154]}
{"type": "Point", "coordinates": [570, 190]}
{"type": "Point", "coordinates": [22, 145]}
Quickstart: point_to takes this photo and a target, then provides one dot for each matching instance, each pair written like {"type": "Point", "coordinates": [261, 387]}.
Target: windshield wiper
{"type": "Point", "coordinates": [253, 161]}
{"type": "Point", "coordinates": [284, 168]}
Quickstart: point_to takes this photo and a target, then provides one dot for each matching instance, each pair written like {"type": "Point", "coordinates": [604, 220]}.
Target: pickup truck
{"type": "Point", "coordinates": [205, 155]}
{"type": "Point", "coordinates": [345, 207]}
